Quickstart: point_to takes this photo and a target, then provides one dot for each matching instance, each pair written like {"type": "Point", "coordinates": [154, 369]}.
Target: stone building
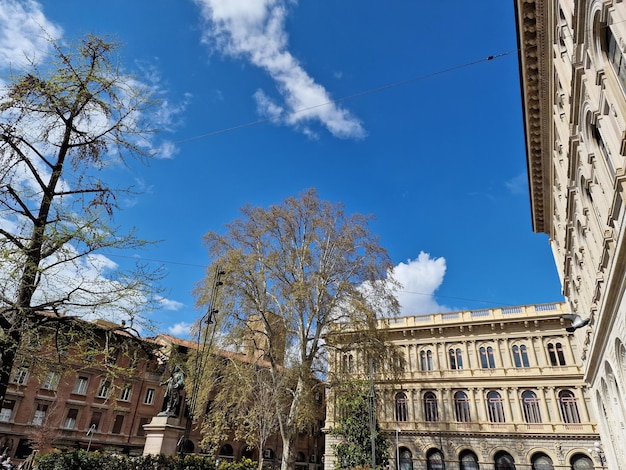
{"type": "Point", "coordinates": [489, 389]}
{"type": "Point", "coordinates": [573, 79]}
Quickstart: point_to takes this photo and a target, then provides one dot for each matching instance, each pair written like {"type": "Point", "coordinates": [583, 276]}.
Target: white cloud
{"type": "Point", "coordinates": [169, 304]}
{"type": "Point", "coordinates": [255, 30]}
{"type": "Point", "coordinates": [24, 32]}
{"type": "Point", "coordinates": [420, 278]}
{"type": "Point", "coordinates": [518, 184]}
{"type": "Point", "coordinates": [180, 330]}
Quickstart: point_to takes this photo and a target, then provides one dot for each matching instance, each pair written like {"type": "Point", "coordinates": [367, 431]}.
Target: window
{"type": "Point", "coordinates": [555, 353]}
{"type": "Point", "coordinates": [456, 359]}
{"type": "Point", "coordinates": [117, 424]}
{"type": "Point", "coordinates": [96, 416]}
{"type": "Point", "coordinates": [6, 413]}
{"type": "Point", "coordinates": [104, 389]}
{"type": "Point", "coordinates": [431, 410]}
{"type": "Point", "coordinates": [406, 459]}
{"type": "Point", "coordinates": [495, 408]}
{"type": "Point", "coordinates": [402, 409]}
{"type": "Point", "coordinates": [40, 414]}
{"type": "Point", "coordinates": [468, 461]}
{"type": "Point", "coordinates": [80, 387]}
{"type": "Point", "coordinates": [51, 382]}
{"type": "Point", "coordinates": [504, 461]}
{"type": "Point", "coordinates": [487, 360]}
{"type": "Point", "coordinates": [348, 363]}
{"type": "Point", "coordinates": [149, 400]}
{"type": "Point", "coordinates": [435, 460]}
{"type": "Point", "coordinates": [530, 404]}
{"type": "Point", "coordinates": [462, 407]}
{"type": "Point", "coordinates": [426, 360]}
{"type": "Point", "coordinates": [568, 407]}
{"type": "Point", "coordinates": [520, 356]}
{"type": "Point", "coordinates": [140, 430]}
{"type": "Point", "coordinates": [126, 392]}
{"type": "Point", "coordinates": [581, 462]}
{"type": "Point", "coordinates": [616, 58]}
{"type": "Point", "coordinates": [541, 462]}
{"type": "Point", "coordinates": [70, 419]}
{"type": "Point", "coordinates": [21, 376]}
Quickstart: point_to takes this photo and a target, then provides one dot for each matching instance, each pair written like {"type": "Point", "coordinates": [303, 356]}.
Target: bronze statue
{"type": "Point", "coordinates": [175, 384]}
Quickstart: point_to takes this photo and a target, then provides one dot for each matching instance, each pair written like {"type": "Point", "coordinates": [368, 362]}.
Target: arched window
{"type": "Point", "coordinates": [520, 356]}
{"type": "Point", "coordinates": [402, 408]}
{"type": "Point", "coordinates": [530, 404]}
{"type": "Point", "coordinates": [426, 360]}
{"type": "Point", "coordinates": [495, 408]}
{"type": "Point", "coordinates": [504, 461]}
{"type": "Point", "coordinates": [555, 353]}
{"type": "Point", "coordinates": [541, 462]}
{"type": "Point", "coordinates": [462, 407]}
{"type": "Point", "coordinates": [568, 407]}
{"type": "Point", "coordinates": [487, 360]}
{"type": "Point", "coordinates": [431, 409]}
{"type": "Point", "coordinates": [434, 460]}
{"type": "Point", "coordinates": [581, 462]}
{"type": "Point", "coordinates": [348, 363]}
{"type": "Point", "coordinates": [456, 358]}
{"type": "Point", "coordinates": [226, 452]}
{"type": "Point", "coordinates": [406, 459]}
{"type": "Point", "coordinates": [468, 461]}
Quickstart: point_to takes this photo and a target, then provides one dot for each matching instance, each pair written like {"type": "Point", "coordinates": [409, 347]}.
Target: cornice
{"type": "Point", "coordinates": [534, 21]}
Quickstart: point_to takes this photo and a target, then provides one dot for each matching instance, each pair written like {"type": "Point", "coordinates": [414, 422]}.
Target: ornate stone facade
{"type": "Point", "coordinates": [493, 388]}
{"type": "Point", "coordinates": [573, 74]}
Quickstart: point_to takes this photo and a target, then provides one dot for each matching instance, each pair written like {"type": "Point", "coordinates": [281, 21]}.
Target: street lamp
{"type": "Point", "coordinates": [90, 432]}
{"type": "Point", "coordinates": [397, 450]}
{"type": "Point", "coordinates": [598, 451]}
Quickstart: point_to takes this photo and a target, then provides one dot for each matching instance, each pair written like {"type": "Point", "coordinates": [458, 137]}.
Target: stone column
{"type": "Point", "coordinates": [162, 435]}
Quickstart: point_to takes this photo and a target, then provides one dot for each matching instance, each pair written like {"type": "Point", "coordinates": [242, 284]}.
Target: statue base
{"type": "Point", "coordinates": [162, 435]}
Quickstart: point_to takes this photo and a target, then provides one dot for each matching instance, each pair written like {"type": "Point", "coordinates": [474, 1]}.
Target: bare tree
{"type": "Point", "coordinates": [293, 272]}
{"type": "Point", "coordinates": [61, 124]}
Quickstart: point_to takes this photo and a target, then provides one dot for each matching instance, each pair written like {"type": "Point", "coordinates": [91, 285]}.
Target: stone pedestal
{"type": "Point", "coordinates": [162, 435]}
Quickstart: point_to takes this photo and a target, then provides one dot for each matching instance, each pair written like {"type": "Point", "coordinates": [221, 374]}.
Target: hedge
{"type": "Point", "coordinates": [82, 460]}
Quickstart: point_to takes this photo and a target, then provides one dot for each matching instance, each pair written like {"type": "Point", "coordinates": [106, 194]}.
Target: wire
{"type": "Point", "coordinates": [345, 98]}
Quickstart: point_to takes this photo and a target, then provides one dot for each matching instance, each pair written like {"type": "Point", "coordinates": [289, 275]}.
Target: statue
{"type": "Point", "coordinates": [175, 384]}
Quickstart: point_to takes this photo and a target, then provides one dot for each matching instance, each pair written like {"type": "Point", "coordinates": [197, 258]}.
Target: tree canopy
{"type": "Point", "coordinates": [294, 271]}
{"type": "Point", "coordinates": [62, 123]}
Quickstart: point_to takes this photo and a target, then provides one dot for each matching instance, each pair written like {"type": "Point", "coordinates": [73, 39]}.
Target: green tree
{"type": "Point", "coordinates": [353, 428]}
{"type": "Point", "coordinates": [62, 122]}
{"type": "Point", "coordinates": [293, 271]}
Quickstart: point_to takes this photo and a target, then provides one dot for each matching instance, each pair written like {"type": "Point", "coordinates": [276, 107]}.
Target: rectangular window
{"type": "Point", "coordinates": [80, 387]}
{"type": "Point", "coordinates": [51, 381]}
{"type": "Point", "coordinates": [21, 376]}
{"type": "Point", "coordinates": [6, 413]}
{"type": "Point", "coordinates": [117, 424]}
{"type": "Point", "coordinates": [96, 416]}
{"type": "Point", "coordinates": [70, 419]}
{"type": "Point", "coordinates": [40, 414]}
{"type": "Point", "coordinates": [105, 389]}
{"type": "Point", "coordinates": [140, 430]}
{"type": "Point", "coordinates": [126, 392]}
{"type": "Point", "coordinates": [149, 400]}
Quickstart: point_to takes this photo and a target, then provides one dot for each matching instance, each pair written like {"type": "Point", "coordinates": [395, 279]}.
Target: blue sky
{"type": "Point", "coordinates": [391, 108]}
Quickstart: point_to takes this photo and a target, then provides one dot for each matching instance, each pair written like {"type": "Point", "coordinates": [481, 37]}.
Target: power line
{"type": "Point", "coordinates": [425, 294]}
{"type": "Point", "coordinates": [346, 98]}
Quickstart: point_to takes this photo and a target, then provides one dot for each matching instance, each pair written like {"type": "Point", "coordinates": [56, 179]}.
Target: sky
{"type": "Point", "coordinates": [407, 110]}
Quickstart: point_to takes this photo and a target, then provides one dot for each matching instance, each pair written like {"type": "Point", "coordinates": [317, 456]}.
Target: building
{"type": "Point", "coordinates": [77, 384]}
{"type": "Point", "coordinates": [573, 78]}
{"type": "Point", "coordinates": [489, 389]}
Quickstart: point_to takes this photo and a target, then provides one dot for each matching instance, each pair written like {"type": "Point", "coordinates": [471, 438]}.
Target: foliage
{"type": "Point", "coordinates": [353, 427]}
{"type": "Point", "coordinates": [62, 123]}
{"type": "Point", "coordinates": [242, 402]}
{"type": "Point", "coordinates": [81, 460]}
{"type": "Point", "coordinates": [293, 271]}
